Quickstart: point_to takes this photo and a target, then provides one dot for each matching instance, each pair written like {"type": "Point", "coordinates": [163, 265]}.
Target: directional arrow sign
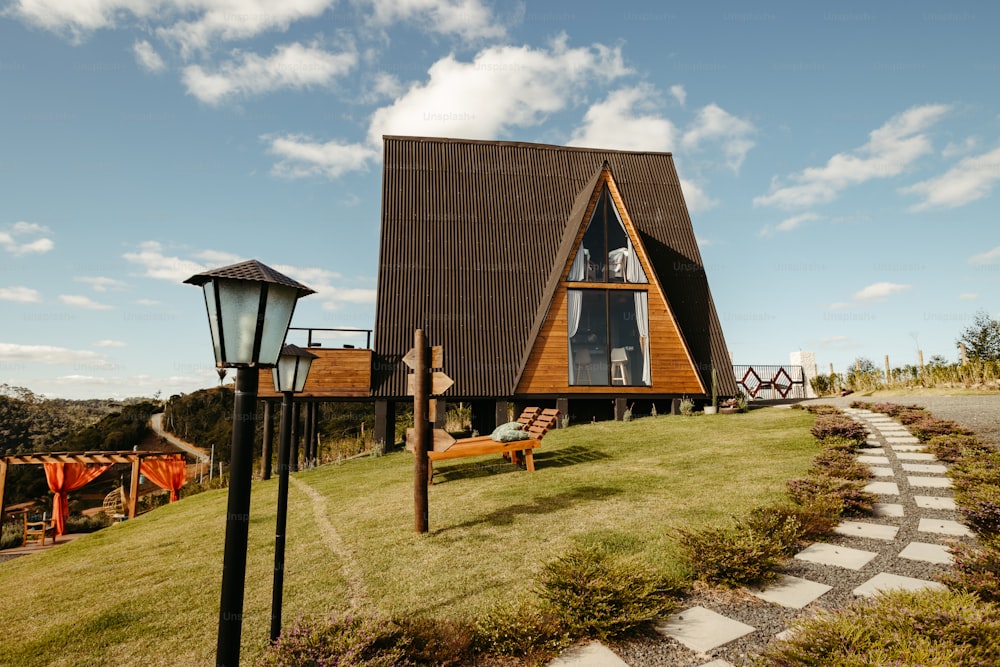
{"type": "Point", "coordinates": [440, 383]}
{"type": "Point", "coordinates": [442, 439]}
{"type": "Point", "coordinates": [437, 357]}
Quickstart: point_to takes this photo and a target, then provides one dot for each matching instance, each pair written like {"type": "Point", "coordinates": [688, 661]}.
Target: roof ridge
{"type": "Point", "coordinates": [525, 144]}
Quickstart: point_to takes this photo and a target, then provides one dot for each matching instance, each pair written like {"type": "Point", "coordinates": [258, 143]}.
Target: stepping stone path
{"type": "Point", "coordinates": [909, 530]}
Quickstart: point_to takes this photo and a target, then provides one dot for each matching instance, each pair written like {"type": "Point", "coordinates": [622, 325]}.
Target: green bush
{"type": "Point", "coordinates": [836, 462]}
{"type": "Point", "coordinates": [433, 641]}
{"type": "Point", "coordinates": [347, 641]}
{"type": "Point", "coordinates": [929, 427]}
{"type": "Point", "coordinates": [518, 627]}
{"type": "Point", "coordinates": [928, 628]}
{"type": "Point", "coordinates": [816, 519]}
{"type": "Point", "coordinates": [748, 553]}
{"type": "Point", "coordinates": [980, 506]}
{"type": "Point", "coordinates": [850, 492]}
{"type": "Point", "coordinates": [839, 426]}
{"type": "Point", "coordinates": [87, 524]}
{"type": "Point", "coordinates": [592, 595]}
{"type": "Point", "coordinates": [976, 468]}
{"type": "Point", "coordinates": [975, 569]}
{"type": "Point", "coordinates": [951, 448]}
{"type": "Point", "coordinates": [12, 534]}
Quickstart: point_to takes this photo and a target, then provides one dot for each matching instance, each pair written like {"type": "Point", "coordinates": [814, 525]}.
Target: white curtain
{"type": "Point", "coordinates": [574, 304]}
{"type": "Point", "coordinates": [642, 324]}
{"type": "Point", "coordinates": [633, 269]}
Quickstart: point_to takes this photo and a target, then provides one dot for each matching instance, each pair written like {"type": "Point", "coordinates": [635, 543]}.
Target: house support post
{"type": "Point", "coordinates": [133, 496]}
{"type": "Point", "coordinates": [675, 406]}
{"type": "Point", "coordinates": [3, 484]}
{"type": "Point", "coordinates": [502, 413]}
{"type": "Point", "coordinates": [309, 434]}
{"type": "Point", "coordinates": [562, 404]}
{"type": "Point", "coordinates": [293, 461]}
{"type": "Point", "coordinates": [385, 426]}
{"type": "Point", "coordinates": [621, 404]}
{"type": "Point", "coordinates": [266, 447]}
{"type": "Point", "coordinates": [439, 412]}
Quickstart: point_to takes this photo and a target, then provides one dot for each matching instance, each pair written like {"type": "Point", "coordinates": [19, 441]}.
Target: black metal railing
{"type": "Point", "coordinates": [311, 342]}
{"type": "Point", "coordinates": [769, 382]}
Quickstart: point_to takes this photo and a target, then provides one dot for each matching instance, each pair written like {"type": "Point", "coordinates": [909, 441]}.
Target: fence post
{"type": "Point", "coordinates": [888, 372]}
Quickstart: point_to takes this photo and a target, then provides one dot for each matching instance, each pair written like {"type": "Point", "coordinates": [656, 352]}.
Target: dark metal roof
{"type": "Point", "coordinates": [250, 270]}
{"type": "Point", "coordinates": [471, 235]}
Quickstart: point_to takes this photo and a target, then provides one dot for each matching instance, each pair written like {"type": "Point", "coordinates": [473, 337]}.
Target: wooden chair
{"type": "Point", "coordinates": [35, 531]}
{"type": "Point", "coordinates": [517, 450]}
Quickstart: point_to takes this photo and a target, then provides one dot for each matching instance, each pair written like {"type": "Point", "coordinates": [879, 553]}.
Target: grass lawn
{"type": "Point", "coordinates": [147, 591]}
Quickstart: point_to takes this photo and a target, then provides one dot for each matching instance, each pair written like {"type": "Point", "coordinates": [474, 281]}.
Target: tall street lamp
{"type": "Point", "coordinates": [289, 379]}
{"type": "Point", "coordinates": [249, 306]}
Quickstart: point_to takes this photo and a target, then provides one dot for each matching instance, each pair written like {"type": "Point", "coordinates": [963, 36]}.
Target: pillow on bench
{"type": "Point", "coordinates": [510, 432]}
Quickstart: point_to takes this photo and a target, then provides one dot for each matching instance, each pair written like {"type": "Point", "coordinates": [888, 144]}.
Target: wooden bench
{"type": "Point", "coordinates": [540, 424]}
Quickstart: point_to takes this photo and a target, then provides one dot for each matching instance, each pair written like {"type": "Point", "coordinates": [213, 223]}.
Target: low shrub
{"type": "Point", "coordinates": [822, 409]}
{"type": "Point", "coordinates": [910, 414]}
{"type": "Point", "coordinates": [837, 442]}
{"type": "Point", "coordinates": [364, 640]}
{"type": "Point", "coordinates": [951, 448]}
{"type": "Point", "coordinates": [861, 405]}
{"type": "Point", "coordinates": [12, 534]}
{"type": "Point", "coordinates": [928, 628]}
{"type": "Point", "coordinates": [851, 493]}
{"type": "Point", "coordinates": [433, 641]}
{"type": "Point", "coordinates": [928, 427]}
{"type": "Point", "coordinates": [976, 468]}
{"type": "Point", "coordinates": [894, 409]}
{"type": "Point", "coordinates": [839, 426]}
{"type": "Point", "coordinates": [87, 524]}
{"type": "Point", "coordinates": [748, 553]}
{"type": "Point", "coordinates": [975, 569]}
{"type": "Point", "coordinates": [595, 596]}
{"type": "Point", "coordinates": [519, 627]}
{"type": "Point", "coordinates": [837, 462]}
{"type": "Point", "coordinates": [980, 506]}
{"type": "Point", "coordinates": [816, 519]}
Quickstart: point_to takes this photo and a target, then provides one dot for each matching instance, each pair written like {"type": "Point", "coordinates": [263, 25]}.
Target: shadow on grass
{"type": "Point", "coordinates": [499, 466]}
{"type": "Point", "coordinates": [543, 505]}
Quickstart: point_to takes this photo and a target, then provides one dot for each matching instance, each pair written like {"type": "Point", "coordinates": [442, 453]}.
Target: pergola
{"type": "Point", "coordinates": [92, 461]}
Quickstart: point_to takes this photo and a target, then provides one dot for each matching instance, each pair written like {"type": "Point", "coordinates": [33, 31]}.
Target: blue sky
{"type": "Point", "coordinates": [840, 161]}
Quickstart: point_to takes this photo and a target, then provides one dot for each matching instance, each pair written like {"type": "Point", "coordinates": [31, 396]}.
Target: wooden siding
{"type": "Point", "coordinates": [335, 373]}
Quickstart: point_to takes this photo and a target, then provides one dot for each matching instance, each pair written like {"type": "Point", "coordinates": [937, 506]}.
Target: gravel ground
{"type": "Point", "coordinates": [982, 414]}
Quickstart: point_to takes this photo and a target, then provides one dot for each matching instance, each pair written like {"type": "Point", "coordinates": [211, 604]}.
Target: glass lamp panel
{"type": "Point", "coordinates": [239, 301]}
{"type": "Point", "coordinates": [213, 320]}
{"type": "Point", "coordinates": [280, 306]}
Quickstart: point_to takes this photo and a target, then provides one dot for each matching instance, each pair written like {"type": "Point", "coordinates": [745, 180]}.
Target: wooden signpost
{"type": "Point", "coordinates": [423, 383]}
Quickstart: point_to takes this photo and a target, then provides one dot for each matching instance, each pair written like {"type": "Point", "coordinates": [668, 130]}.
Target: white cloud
{"type": "Point", "coordinates": [11, 242]}
{"type": "Point", "coordinates": [110, 343]}
{"type": "Point", "coordinates": [302, 157]}
{"type": "Point", "coordinates": [46, 354]}
{"type": "Point", "coordinates": [839, 305]}
{"type": "Point", "coordinates": [973, 178]}
{"type": "Point", "coordinates": [147, 57]}
{"type": "Point", "coordinates": [878, 291]}
{"type": "Point", "coordinates": [78, 19]}
{"type": "Point", "coordinates": [788, 224]}
{"type": "Point", "coordinates": [625, 120]}
{"type": "Point", "coordinates": [292, 66]}
{"type": "Point", "coordinates": [322, 280]}
{"type": "Point", "coordinates": [890, 151]}
{"type": "Point", "coordinates": [79, 301]}
{"type": "Point", "coordinates": [678, 93]}
{"type": "Point", "coordinates": [988, 257]}
{"type": "Point", "coordinates": [20, 294]}
{"type": "Point", "coordinates": [952, 149]}
{"type": "Point", "coordinates": [102, 284]}
{"type": "Point", "coordinates": [695, 197]}
{"type": "Point", "coordinates": [163, 267]}
{"type": "Point", "coordinates": [219, 257]}
{"type": "Point", "coordinates": [715, 124]}
{"type": "Point", "coordinates": [968, 296]}
{"type": "Point", "coordinates": [470, 19]}
{"type": "Point", "coordinates": [502, 88]}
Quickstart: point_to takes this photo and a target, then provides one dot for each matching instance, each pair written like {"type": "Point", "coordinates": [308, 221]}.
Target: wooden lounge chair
{"type": "Point", "coordinates": [540, 424]}
{"type": "Point", "coordinates": [35, 531]}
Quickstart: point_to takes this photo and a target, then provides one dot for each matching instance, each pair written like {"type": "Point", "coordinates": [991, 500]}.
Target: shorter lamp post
{"type": "Point", "coordinates": [249, 306]}
{"type": "Point", "coordinates": [289, 379]}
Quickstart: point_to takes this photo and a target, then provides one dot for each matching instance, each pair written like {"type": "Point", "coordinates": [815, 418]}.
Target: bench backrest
{"type": "Point", "coordinates": [548, 419]}
{"type": "Point", "coordinates": [528, 416]}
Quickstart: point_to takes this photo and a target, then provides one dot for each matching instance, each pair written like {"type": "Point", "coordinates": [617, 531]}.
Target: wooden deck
{"type": "Point", "coordinates": [335, 373]}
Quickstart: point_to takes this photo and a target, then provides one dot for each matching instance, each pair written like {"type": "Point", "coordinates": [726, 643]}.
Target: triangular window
{"type": "Point", "coordinates": [607, 254]}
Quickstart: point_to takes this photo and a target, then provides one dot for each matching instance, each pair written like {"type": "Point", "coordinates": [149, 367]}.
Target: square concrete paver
{"type": "Point", "coordinates": [928, 468]}
{"type": "Point", "coordinates": [930, 553]}
{"type": "Point", "coordinates": [881, 472]}
{"type": "Point", "coordinates": [831, 554]}
{"type": "Point", "coordinates": [944, 527]}
{"type": "Point", "coordinates": [930, 482]}
{"type": "Point", "coordinates": [594, 654]}
{"type": "Point", "coordinates": [702, 629]}
{"type": "Point", "coordinates": [908, 448]}
{"type": "Point", "coordinates": [873, 460]}
{"type": "Point", "coordinates": [885, 582]}
{"type": "Point", "coordinates": [883, 488]}
{"type": "Point", "coordinates": [791, 592]}
{"type": "Point", "coordinates": [718, 663]}
{"type": "Point", "coordinates": [934, 502]}
{"type": "Point", "coordinates": [871, 531]}
{"type": "Point", "coordinates": [915, 456]}
{"type": "Point", "coordinates": [901, 440]}
{"type": "Point", "coordinates": [887, 509]}
{"type": "Point", "coordinates": [874, 451]}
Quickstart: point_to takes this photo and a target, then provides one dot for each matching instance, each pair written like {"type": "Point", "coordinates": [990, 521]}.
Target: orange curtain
{"type": "Point", "coordinates": [166, 474]}
{"type": "Point", "coordinates": [66, 477]}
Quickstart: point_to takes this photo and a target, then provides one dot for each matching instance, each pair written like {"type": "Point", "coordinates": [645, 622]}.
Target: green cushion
{"type": "Point", "coordinates": [511, 436]}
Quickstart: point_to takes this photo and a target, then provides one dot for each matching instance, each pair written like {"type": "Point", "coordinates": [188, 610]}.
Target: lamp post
{"type": "Point", "coordinates": [289, 378]}
{"type": "Point", "coordinates": [249, 306]}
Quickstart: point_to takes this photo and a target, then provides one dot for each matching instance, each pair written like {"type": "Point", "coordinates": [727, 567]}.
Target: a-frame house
{"type": "Point", "coordinates": [550, 275]}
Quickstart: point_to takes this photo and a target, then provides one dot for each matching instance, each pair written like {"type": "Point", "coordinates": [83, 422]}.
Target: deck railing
{"type": "Point", "coordinates": [770, 382]}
